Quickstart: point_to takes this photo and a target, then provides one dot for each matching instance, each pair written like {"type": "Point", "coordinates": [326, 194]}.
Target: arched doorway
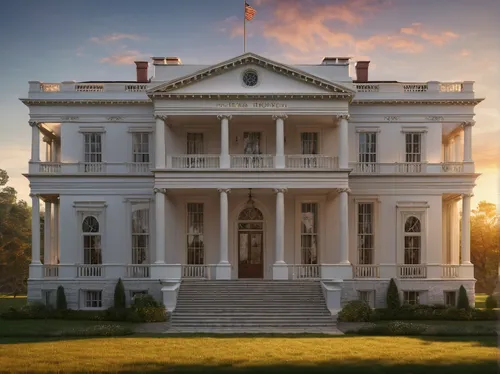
{"type": "Point", "coordinates": [250, 243]}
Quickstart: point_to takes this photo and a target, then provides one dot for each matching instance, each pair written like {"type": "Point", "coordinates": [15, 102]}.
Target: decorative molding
{"type": "Point", "coordinates": [282, 116]}
{"type": "Point", "coordinates": [361, 129]}
{"type": "Point", "coordinates": [97, 129]}
{"type": "Point", "coordinates": [162, 117]}
{"type": "Point", "coordinates": [140, 129]}
{"type": "Point", "coordinates": [33, 195]}
{"type": "Point", "coordinates": [89, 205]}
{"type": "Point", "coordinates": [224, 116]}
{"type": "Point", "coordinates": [280, 190]}
{"type": "Point", "coordinates": [29, 102]}
{"type": "Point", "coordinates": [420, 129]}
{"type": "Point", "coordinates": [344, 116]}
{"type": "Point", "coordinates": [69, 118]}
{"type": "Point", "coordinates": [467, 195]}
{"type": "Point", "coordinates": [434, 118]}
{"type": "Point", "coordinates": [340, 190]}
{"type": "Point", "coordinates": [226, 190]}
{"type": "Point", "coordinates": [392, 118]}
{"type": "Point", "coordinates": [418, 102]}
{"type": "Point", "coordinates": [34, 123]}
{"type": "Point", "coordinates": [160, 190]}
{"type": "Point", "coordinates": [115, 118]}
{"type": "Point", "coordinates": [467, 123]}
{"type": "Point", "coordinates": [47, 139]}
{"type": "Point", "coordinates": [412, 204]}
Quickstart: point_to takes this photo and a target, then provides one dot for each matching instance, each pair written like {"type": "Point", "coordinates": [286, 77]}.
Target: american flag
{"type": "Point", "coordinates": [249, 12]}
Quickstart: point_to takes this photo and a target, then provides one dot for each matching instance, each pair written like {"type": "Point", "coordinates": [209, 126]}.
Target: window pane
{"type": "Point", "coordinates": [309, 233]}
{"type": "Point", "coordinates": [195, 244]}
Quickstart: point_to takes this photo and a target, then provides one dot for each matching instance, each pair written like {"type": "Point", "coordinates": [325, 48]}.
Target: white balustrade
{"type": "Point", "coordinates": [50, 271]}
{"type": "Point", "coordinates": [139, 167]}
{"type": "Point", "coordinates": [252, 161]}
{"type": "Point", "coordinates": [89, 87]}
{"type": "Point", "coordinates": [311, 162]}
{"type": "Point", "coordinates": [365, 167]}
{"type": "Point", "coordinates": [49, 167]}
{"type": "Point", "coordinates": [367, 87]}
{"type": "Point", "coordinates": [50, 87]}
{"type": "Point", "coordinates": [366, 271]}
{"type": "Point", "coordinates": [138, 271]}
{"type": "Point", "coordinates": [415, 87]}
{"type": "Point", "coordinates": [198, 271]}
{"type": "Point", "coordinates": [412, 271]}
{"type": "Point", "coordinates": [452, 167]}
{"type": "Point", "coordinates": [410, 167]}
{"type": "Point", "coordinates": [305, 271]}
{"type": "Point", "coordinates": [451, 87]}
{"type": "Point", "coordinates": [136, 87]}
{"type": "Point", "coordinates": [89, 271]}
{"type": "Point", "coordinates": [450, 271]}
{"type": "Point", "coordinates": [92, 167]}
{"type": "Point", "coordinates": [195, 161]}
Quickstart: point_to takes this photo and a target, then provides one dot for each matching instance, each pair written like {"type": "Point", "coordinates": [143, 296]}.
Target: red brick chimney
{"type": "Point", "coordinates": [362, 71]}
{"type": "Point", "coordinates": [141, 68]}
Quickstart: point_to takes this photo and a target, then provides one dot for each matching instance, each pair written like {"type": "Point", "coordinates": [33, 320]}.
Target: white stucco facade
{"type": "Point", "coordinates": [251, 169]}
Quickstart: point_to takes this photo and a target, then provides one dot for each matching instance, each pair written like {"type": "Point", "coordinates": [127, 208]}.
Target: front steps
{"type": "Point", "coordinates": [251, 306]}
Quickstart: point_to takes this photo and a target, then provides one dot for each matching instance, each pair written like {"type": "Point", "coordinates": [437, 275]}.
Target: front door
{"type": "Point", "coordinates": [250, 254]}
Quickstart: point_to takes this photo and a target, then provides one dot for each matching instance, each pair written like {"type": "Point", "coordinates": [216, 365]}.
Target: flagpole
{"type": "Point", "coordinates": [244, 26]}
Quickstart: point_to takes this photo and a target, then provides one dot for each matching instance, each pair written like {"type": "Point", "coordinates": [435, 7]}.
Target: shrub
{"type": "Point", "coordinates": [393, 301]}
{"type": "Point", "coordinates": [97, 330]}
{"type": "Point", "coordinates": [152, 313]}
{"type": "Point", "coordinates": [463, 300]}
{"type": "Point", "coordinates": [61, 303]}
{"type": "Point", "coordinates": [355, 311]}
{"type": "Point", "coordinates": [120, 301]}
{"type": "Point", "coordinates": [405, 328]}
{"type": "Point", "coordinates": [491, 302]}
{"type": "Point", "coordinates": [143, 301]}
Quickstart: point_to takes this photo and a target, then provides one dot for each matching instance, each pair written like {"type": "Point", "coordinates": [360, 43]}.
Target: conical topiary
{"type": "Point", "coordinates": [393, 301]}
{"type": "Point", "coordinates": [463, 300]}
{"type": "Point", "coordinates": [61, 303]}
{"type": "Point", "coordinates": [119, 297]}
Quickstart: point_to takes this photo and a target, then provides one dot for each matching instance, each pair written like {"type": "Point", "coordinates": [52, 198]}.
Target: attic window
{"type": "Point", "coordinates": [250, 78]}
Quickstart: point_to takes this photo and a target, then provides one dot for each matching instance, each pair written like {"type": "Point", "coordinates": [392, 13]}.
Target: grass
{"type": "Point", "coordinates": [245, 354]}
{"type": "Point", "coordinates": [7, 302]}
{"type": "Point", "coordinates": [480, 300]}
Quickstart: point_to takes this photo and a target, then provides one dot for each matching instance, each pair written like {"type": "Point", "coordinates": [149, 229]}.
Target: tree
{"type": "Point", "coordinates": [61, 303]}
{"type": "Point", "coordinates": [463, 299]}
{"type": "Point", "coordinates": [119, 297]}
{"type": "Point", "coordinates": [15, 239]}
{"type": "Point", "coordinates": [393, 301]}
{"type": "Point", "coordinates": [485, 246]}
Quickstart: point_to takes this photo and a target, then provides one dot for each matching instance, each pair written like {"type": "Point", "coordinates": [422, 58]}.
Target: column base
{"type": "Point", "coordinates": [466, 271]}
{"type": "Point", "coordinates": [166, 271]}
{"type": "Point", "coordinates": [280, 271]}
{"type": "Point", "coordinates": [336, 271]}
{"type": "Point", "coordinates": [223, 271]}
{"type": "Point", "coordinates": [36, 271]}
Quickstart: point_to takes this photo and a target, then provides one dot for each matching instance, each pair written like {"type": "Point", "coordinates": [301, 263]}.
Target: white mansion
{"type": "Point", "coordinates": [251, 168]}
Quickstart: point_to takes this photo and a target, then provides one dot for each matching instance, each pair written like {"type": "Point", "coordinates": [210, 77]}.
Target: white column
{"type": "Point", "coordinates": [280, 140]}
{"type": "Point", "coordinates": [160, 225]}
{"type": "Point", "coordinates": [343, 226]}
{"type": "Point", "coordinates": [468, 141]}
{"type": "Point", "coordinates": [55, 234]}
{"type": "Point", "coordinates": [53, 150]}
{"type": "Point", "coordinates": [280, 226]}
{"type": "Point", "coordinates": [47, 230]}
{"type": "Point", "coordinates": [160, 159]}
{"type": "Point", "coordinates": [35, 142]}
{"type": "Point", "coordinates": [457, 144]}
{"type": "Point", "coordinates": [223, 270]}
{"type": "Point", "coordinates": [224, 140]}
{"type": "Point", "coordinates": [35, 229]}
{"type": "Point", "coordinates": [466, 229]}
{"type": "Point", "coordinates": [454, 233]}
{"type": "Point", "coordinates": [343, 139]}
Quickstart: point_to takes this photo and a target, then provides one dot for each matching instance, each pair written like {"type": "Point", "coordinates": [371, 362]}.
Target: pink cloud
{"type": "Point", "coordinates": [438, 39]}
{"type": "Point", "coordinates": [114, 37]}
{"type": "Point", "coordinates": [124, 58]}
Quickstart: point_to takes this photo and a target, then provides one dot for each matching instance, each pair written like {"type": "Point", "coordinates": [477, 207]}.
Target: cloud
{"type": "Point", "coordinates": [437, 39]}
{"type": "Point", "coordinates": [123, 58]}
{"type": "Point", "coordinates": [114, 37]}
{"type": "Point", "coordinates": [465, 53]}
{"type": "Point", "coordinates": [394, 42]}
{"type": "Point", "coordinates": [486, 153]}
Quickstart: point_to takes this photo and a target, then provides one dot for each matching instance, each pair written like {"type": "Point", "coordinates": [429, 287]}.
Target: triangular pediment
{"type": "Point", "coordinates": [273, 78]}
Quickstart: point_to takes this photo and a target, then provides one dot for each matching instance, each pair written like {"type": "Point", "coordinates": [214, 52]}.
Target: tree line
{"type": "Point", "coordinates": [15, 242]}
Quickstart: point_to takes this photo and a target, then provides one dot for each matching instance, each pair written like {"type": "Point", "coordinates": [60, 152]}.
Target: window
{"type": "Point", "coordinates": [49, 297]}
{"type": "Point", "coordinates": [140, 234]}
{"type": "Point", "coordinates": [309, 143]}
{"type": "Point", "coordinates": [92, 299]}
{"type": "Point", "coordinates": [450, 298]}
{"type": "Point", "coordinates": [366, 241]}
{"type": "Point", "coordinates": [309, 233]}
{"type": "Point", "coordinates": [140, 147]}
{"type": "Point", "coordinates": [250, 78]}
{"type": "Point", "coordinates": [367, 151]}
{"type": "Point", "coordinates": [411, 297]}
{"type": "Point", "coordinates": [413, 147]}
{"type": "Point", "coordinates": [367, 297]}
{"type": "Point", "coordinates": [133, 294]}
{"type": "Point", "coordinates": [194, 143]}
{"type": "Point", "coordinates": [195, 245]}
{"type": "Point", "coordinates": [93, 147]}
{"type": "Point", "coordinates": [412, 240]}
{"type": "Point", "coordinates": [91, 241]}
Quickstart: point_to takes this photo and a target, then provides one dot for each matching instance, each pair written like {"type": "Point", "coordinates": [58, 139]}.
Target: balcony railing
{"type": "Point", "coordinates": [311, 162]}
{"type": "Point", "coordinates": [195, 161]}
{"type": "Point", "coordinates": [87, 87]}
{"type": "Point", "coordinates": [138, 271]}
{"type": "Point", "coordinates": [304, 271]}
{"type": "Point", "coordinates": [90, 167]}
{"type": "Point", "coordinates": [198, 271]}
{"type": "Point", "coordinates": [50, 271]}
{"type": "Point", "coordinates": [89, 271]}
{"type": "Point", "coordinates": [252, 161]}
{"type": "Point", "coordinates": [450, 271]}
{"type": "Point", "coordinates": [407, 167]}
{"type": "Point", "coordinates": [366, 271]}
{"type": "Point", "coordinates": [412, 271]}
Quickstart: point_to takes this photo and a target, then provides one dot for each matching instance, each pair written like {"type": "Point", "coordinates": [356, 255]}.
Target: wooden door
{"type": "Point", "coordinates": [250, 258]}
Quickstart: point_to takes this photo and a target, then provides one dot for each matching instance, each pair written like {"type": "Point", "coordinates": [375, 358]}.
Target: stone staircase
{"type": "Point", "coordinates": [251, 306]}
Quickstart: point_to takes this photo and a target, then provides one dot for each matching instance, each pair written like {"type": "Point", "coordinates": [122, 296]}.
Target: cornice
{"type": "Point", "coordinates": [417, 102]}
{"type": "Point", "coordinates": [29, 102]}
{"type": "Point", "coordinates": [267, 96]}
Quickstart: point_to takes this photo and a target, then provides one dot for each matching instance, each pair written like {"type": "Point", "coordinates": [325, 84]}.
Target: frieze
{"type": "Point", "coordinates": [70, 118]}
{"type": "Point", "coordinates": [391, 118]}
{"type": "Point", "coordinates": [255, 105]}
{"type": "Point", "coordinates": [434, 118]}
{"type": "Point", "coordinates": [115, 118]}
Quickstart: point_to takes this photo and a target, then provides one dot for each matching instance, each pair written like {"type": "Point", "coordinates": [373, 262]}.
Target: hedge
{"type": "Point", "coordinates": [401, 328]}
{"type": "Point", "coordinates": [433, 312]}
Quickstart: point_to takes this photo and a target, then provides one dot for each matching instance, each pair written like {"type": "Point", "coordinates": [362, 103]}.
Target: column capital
{"type": "Point", "coordinates": [344, 116]}
{"type": "Point", "coordinates": [34, 123]}
{"type": "Point", "coordinates": [224, 116]}
{"type": "Point", "coordinates": [467, 123]}
{"type": "Point", "coordinates": [348, 190]}
{"type": "Point", "coordinates": [33, 195]}
{"type": "Point", "coordinates": [280, 190]}
{"type": "Point", "coordinates": [161, 116]}
{"type": "Point", "coordinates": [47, 139]}
{"type": "Point", "coordinates": [225, 190]}
{"type": "Point", "coordinates": [469, 194]}
{"type": "Point", "coordinates": [282, 116]}
{"type": "Point", "coordinates": [160, 190]}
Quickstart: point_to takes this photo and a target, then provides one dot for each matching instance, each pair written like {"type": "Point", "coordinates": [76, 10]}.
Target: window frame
{"type": "Point", "coordinates": [417, 299]}
{"type": "Point", "coordinates": [412, 234]}
{"type": "Point", "coordinates": [98, 210]}
{"type": "Point", "coordinates": [88, 258]}
{"type": "Point", "coordinates": [84, 299]}
{"type": "Point", "coordinates": [422, 131]}
{"type": "Point", "coordinates": [315, 234]}
{"type": "Point", "coordinates": [197, 252]}
{"type": "Point", "coordinates": [370, 296]}
{"type": "Point", "coordinates": [448, 293]}
{"type": "Point", "coordinates": [101, 144]}
{"type": "Point", "coordinates": [136, 207]}
{"type": "Point", "coordinates": [372, 234]}
{"type": "Point", "coordinates": [196, 142]}
{"type": "Point", "coordinates": [315, 141]}
{"type": "Point", "coordinates": [143, 135]}
{"type": "Point", "coordinates": [404, 210]}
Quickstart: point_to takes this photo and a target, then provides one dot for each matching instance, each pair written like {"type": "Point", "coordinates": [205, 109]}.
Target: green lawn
{"type": "Point", "coordinates": [8, 301]}
{"type": "Point", "coordinates": [161, 354]}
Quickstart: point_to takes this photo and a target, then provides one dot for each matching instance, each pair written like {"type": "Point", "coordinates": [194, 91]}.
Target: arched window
{"type": "Point", "coordinates": [91, 241]}
{"type": "Point", "coordinates": [251, 218]}
{"type": "Point", "coordinates": [413, 240]}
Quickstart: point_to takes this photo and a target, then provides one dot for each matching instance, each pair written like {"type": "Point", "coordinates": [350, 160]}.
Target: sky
{"type": "Point", "coordinates": [407, 40]}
